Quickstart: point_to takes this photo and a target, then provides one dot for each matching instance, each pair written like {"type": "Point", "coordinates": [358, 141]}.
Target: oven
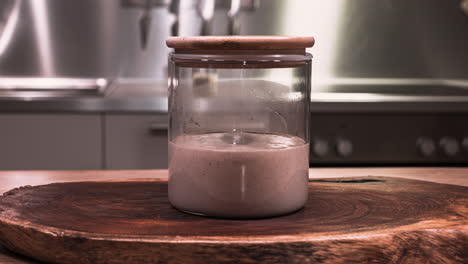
{"type": "Point", "coordinates": [390, 78]}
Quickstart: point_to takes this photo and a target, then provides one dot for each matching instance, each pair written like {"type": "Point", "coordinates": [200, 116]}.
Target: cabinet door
{"type": "Point", "coordinates": [137, 141]}
{"type": "Point", "coordinates": [50, 142]}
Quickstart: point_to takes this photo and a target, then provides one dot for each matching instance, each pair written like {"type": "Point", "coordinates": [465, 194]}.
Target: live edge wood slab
{"type": "Point", "coordinates": [346, 220]}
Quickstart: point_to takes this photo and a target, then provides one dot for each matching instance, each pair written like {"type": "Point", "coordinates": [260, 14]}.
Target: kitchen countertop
{"type": "Point", "coordinates": [137, 103]}
{"type": "Point", "coordinates": [124, 96]}
{"type": "Point", "coordinates": [13, 179]}
{"type": "Point", "coordinates": [143, 96]}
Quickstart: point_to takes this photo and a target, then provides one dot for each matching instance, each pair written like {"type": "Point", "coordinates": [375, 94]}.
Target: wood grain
{"type": "Point", "coordinates": [240, 52]}
{"type": "Point", "coordinates": [240, 43]}
{"type": "Point", "coordinates": [8, 257]}
{"type": "Point", "coordinates": [13, 179]}
{"type": "Point", "coordinates": [352, 220]}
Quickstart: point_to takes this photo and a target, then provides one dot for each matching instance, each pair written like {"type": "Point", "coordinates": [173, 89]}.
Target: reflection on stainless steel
{"type": "Point", "coordinates": [84, 104]}
{"type": "Point", "coordinates": [174, 10]}
{"type": "Point", "coordinates": [385, 74]}
{"type": "Point", "coordinates": [356, 39]}
{"type": "Point", "coordinates": [50, 83]}
{"type": "Point", "coordinates": [205, 9]}
{"type": "Point", "coordinates": [136, 95]}
{"type": "Point", "coordinates": [320, 19]}
{"type": "Point", "coordinates": [145, 3]}
{"type": "Point", "coordinates": [60, 38]}
{"type": "Point", "coordinates": [50, 87]}
{"type": "Point", "coordinates": [146, 18]}
{"type": "Point", "coordinates": [233, 14]}
{"type": "Point", "coordinates": [380, 97]}
{"type": "Point", "coordinates": [80, 39]}
{"type": "Point", "coordinates": [137, 87]}
{"type": "Point", "coordinates": [127, 100]}
{"type": "Point", "coordinates": [40, 17]}
{"type": "Point", "coordinates": [395, 82]}
{"type": "Point", "coordinates": [9, 12]}
{"type": "Point", "coordinates": [103, 39]}
{"type": "Point", "coordinates": [396, 86]}
{"type": "Point", "coordinates": [398, 40]}
{"type": "Point", "coordinates": [228, 19]}
{"type": "Point", "coordinates": [145, 24]}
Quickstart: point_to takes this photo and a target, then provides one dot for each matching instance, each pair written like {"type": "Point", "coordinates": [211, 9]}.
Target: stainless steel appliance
{"type": "Point", "coordinates": [105, 39]}
{"type": "Point", "coordinates": [81, 39]}
{"type": "Point", "coordinates": [77, 48]}
{"type": "Point", "coordinates": [390, 78]}
{"type": "Point", "coordinates": [68, 45]}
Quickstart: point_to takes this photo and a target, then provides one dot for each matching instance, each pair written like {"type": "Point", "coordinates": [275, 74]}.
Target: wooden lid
{"type": "Point", "coordinates": [239, 43]}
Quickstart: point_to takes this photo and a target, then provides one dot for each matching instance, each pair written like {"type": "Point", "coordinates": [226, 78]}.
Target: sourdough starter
{"type": "Point", "coordinates": [238, 175]}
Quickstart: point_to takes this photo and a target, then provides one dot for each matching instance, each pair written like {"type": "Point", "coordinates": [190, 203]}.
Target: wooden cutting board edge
{"type": "Point", "coordinates": [460, 224]}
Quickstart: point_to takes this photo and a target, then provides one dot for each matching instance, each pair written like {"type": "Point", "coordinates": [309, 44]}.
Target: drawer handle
{"type": "Point", "coordinates": [156, 126]}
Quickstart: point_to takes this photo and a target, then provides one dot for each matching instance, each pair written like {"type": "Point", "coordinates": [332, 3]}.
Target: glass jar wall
{"type": "Point", "coordinates": [238, 129]}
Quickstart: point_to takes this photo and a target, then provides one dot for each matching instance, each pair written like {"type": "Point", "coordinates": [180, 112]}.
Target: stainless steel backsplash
{"type": "Point", "coordinates": [85, 38]}
{"type": "Point", "coordinates": [373, 39]}
{"type": "Point", "coordinates": [425, 39]}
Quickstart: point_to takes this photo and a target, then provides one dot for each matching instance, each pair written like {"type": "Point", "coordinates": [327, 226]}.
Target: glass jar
{"type": "Point", "coordinates": [239, 125]}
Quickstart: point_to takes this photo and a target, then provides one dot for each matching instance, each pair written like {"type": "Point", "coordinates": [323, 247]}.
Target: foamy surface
{"type": "Point", "coordinates": [239, 141]}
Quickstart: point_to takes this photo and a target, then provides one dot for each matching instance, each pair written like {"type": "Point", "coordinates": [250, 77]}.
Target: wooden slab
{"type": "Point", "coordinates": [351, 220]}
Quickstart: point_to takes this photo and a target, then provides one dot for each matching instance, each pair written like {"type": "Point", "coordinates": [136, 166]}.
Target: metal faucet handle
{"type": "Point", "coordinates": [146, 19]}
{"type": "Point", "coordinates": [205, 9]}
{"type": "Point", "coordinates": [235, 8]}
{"type": "Point", "coordinates": [233, 13]}
{"type": "Point", "coordinates": [174, 10]}
{"type": "Point", "coordinates": [244, 5]}
{"type": "Point", "coordinates": [145, 25]}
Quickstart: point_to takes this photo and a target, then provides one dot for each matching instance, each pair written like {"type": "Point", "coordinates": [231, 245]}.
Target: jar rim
{"type": "Point", "coordinates": [240, 60]}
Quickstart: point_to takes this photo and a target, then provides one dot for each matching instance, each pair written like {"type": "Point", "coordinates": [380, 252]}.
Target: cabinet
{"type": "Point", "coordinates": [50, 141]}
{"type": "Point", "coordinates": [135, 141]}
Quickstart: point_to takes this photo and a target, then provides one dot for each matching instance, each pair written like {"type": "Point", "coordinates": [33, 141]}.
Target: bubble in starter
{"type": "Point", "coordinates": [237, 138]}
